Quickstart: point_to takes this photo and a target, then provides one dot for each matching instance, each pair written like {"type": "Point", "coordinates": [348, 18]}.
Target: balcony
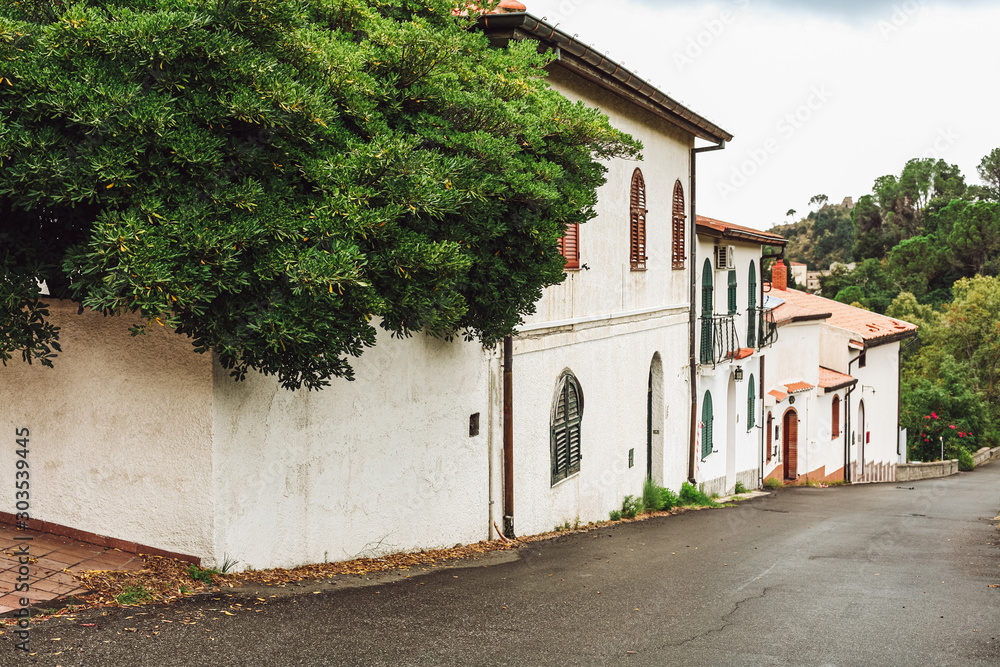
{"type": "Point", "coordinates": [762, 330]}
{"type": "Point", "coordinates": [719, 340]}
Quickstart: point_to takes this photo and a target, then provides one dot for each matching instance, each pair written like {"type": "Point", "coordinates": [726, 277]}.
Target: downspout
{"type": "Point", "coordinates": [847, 421]}
{"type": "Point", "coordinates": [508, 437]}
{"type": "Point", "coordinates": [693, 312]}
{"type": "Point", "coordinates": [763, 424]}
{"type": "Point", "coordinates": [899, 397]}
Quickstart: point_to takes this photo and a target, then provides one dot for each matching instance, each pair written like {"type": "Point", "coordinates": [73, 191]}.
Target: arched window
{"type": "Point", "coordinates": [567, 413]}
{"type": "Point", "coordinates": [569, 246]}
{"type": "Point", "coordinates": [677, 226]}
{"type": "Point", "coordinates": [732, 291]}
{"type": "Point", "coordinates": [751, 404]}
{"type": "Point", "coordinates": [835, 417]}
{"type": "Point", "coordinates": [752, 306]}
{"type": "Point", "coordinates": [707, 445]}
{"type": "Point", "coordinates": [637, 222]}
{"type": "Point", "coordinates": [706, 312]}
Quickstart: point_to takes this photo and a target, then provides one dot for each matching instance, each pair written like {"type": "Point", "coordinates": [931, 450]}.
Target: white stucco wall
{"type": "Point", "coordinates": [120, 433]}
{"type": "Point", "coordinates": [609, 285]}
{"type": "Point", "coordinates": [878, 386]}
{"type": "Point", "coordinates": [381, 464]}
{"type": "Point", "coordinates": [612, 364]}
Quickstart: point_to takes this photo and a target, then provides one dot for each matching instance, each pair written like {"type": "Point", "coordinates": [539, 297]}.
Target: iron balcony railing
{"type": "Point", "coordinates": [762, 330]}
{"type": "Point", "coordinates": [719, 340]}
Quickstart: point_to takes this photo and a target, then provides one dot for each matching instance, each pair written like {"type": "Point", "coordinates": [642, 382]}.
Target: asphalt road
{"type": "Point", "coordinates": [886, 574]}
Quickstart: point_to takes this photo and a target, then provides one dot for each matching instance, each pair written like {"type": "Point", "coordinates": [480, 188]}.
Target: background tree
{"type": "Point", "coordinates": [270, 177]}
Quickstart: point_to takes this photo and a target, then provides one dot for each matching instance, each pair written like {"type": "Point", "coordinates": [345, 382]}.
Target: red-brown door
{"type": "Point", "coordinates": [790, 444]}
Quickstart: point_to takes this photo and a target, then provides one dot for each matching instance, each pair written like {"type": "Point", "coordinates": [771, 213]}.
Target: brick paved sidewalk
{"type": "Point", "coordinates": [51, 557]}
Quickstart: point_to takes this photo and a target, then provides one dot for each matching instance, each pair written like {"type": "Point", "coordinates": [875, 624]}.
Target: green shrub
{"type": "Point", "coordinates": [616, 515]}
{"type": "Point", "coordinates": [632, 506]}
{"type": "Point", "coordinates": [740, 488]}
{"type": "Point", "coordinates": [669, 498]}
{"type": "Point", "coordinates": [692, 496]}
{"type": "Point", "coordinates": [652, 496]}
{"type": "Point", "coordinates": [965, 460]}
{"type": "Point", "coordinates": [204, 576]}
{"type": "Point", "coordinates": [134, 595]}
{"type": "Point", "coordinates": [772, 483]}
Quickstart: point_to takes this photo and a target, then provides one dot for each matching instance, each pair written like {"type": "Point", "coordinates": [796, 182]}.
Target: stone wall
{"type": "Point", "coordinates": [986, 454]}
{"type": "Point", "coordinates": [908, 472]}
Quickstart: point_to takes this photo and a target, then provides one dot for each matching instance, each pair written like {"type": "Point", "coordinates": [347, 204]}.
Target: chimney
{"type": "Point", "coordinates": [779, 275]}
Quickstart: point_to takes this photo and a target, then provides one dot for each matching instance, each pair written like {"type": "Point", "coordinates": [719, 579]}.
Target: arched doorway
{"type": "Point", "coordinates": [862, 441]}
{"type": "Point", "coordinates": [654, 421]}
{"type": "Point", "coordinates": [790, 443]}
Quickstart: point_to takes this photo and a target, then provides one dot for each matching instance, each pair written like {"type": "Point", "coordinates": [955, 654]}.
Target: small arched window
{"type": "Point", "coordinates": [835, 417]}
{"type": "Point", "coordinates": [637, 222]}
{"type": "Point", "coordinates": [751, 404]}
{"type": "Point", "coordinates": [567, 413]}
{"type": "Point", "coordinates": [677, 227]}
{"type": "Point", "coordinates": [707, 418]}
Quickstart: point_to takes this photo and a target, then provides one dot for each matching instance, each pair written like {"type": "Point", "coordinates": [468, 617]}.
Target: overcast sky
{"type": "Point", "coordinates": [822, 97]}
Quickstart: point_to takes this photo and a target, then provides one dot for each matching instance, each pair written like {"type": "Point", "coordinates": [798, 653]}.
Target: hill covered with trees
{"type": "Point", "coordinates": [927, 249]}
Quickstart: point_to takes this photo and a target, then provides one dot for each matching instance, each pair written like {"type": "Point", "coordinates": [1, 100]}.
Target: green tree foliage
{"type": "Point", "coordinates": [868, 284]}
{"type": "Point", "coordinates": [989, 171]}
{"type": "Point", "coordinates": [270, 177]}
{"type": "Point", "coordinates": [822, 238]}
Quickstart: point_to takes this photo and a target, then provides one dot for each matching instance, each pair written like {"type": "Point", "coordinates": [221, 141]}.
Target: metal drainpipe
{"type": "Point", "coordinates": [508, 436]}
{"type": "Point", "coordinates": [763, 422]}
{"type": "Point", "coordinates": [847, 421]}
{"type": "Point", "coordinates": [693, 312]}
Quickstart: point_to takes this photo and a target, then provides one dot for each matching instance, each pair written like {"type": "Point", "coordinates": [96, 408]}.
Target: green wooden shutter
{"type": "Point", "coordinates": [566, 449]}
{"type": "Point", "coordinates": [732, 291]}
{"type": "Point", "coordinates": [751, 404]}
{"type": "Point", "coordinates": [752, 306]}
{"type": "Point", "coordinates": [706, 432]}
{"type": "Point", "coordinates": [706, 312]}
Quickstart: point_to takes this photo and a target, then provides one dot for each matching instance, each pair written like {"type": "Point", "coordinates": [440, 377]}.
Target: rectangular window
{"type": "Point", "coordinates": [569, 246]}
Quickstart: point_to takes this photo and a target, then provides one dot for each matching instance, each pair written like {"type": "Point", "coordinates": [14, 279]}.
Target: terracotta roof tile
{"type": "Point", "coordinates": [505, 7]}
{"type": "Point", "coordinates": [796, 387]}
{"type": "Point", "coordinates": [780, 395]}
{"type": "Point", "coordinates": [742, 353]}
{"type": "Point", "coordinates": [870, 326]}
{"type": "Point", "coordinates": [738, 231]}
{"type": "Point", "coordinates": [830, 379]}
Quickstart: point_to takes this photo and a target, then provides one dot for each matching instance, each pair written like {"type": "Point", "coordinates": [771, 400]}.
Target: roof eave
{"type": "Point", "coordinates": [580, 58]}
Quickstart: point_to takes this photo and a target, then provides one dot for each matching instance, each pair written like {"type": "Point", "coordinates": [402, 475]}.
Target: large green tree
{"type": "Point", "coordinates": [270, 177]}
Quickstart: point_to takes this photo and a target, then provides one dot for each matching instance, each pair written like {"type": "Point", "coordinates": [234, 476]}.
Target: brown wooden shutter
{"type": "Point", "coordinates": [835, 416]}
{"type": "Point", "coordinates": [569, 246]}
{"type": "Point", "coordinates": [637, 222]}
{"type": "Point", "coordinates": [677, 227]}
{"type": "Point", "coordinates": [792, 437]}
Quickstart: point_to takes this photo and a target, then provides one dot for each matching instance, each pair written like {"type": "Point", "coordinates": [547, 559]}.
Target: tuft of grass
{"type": "Point", "coordinates": [631, 506]}
{"type": "Point", "coordinates": [616, 515]}
{"type": "Point", "coordinates": [228, 565]}
{"type": "Point", "coordinates": [740, 488]}
{"type": "Point", "coordinates": [692, 496]}
{"type": "Point", "coordinates": [772, 483]}
{"type": "Point", "coordinates": [652, 496]}
{"type": "Point", "coordinates": [134, 595]}
{"type": "Point", "coordinates": [966, 461]}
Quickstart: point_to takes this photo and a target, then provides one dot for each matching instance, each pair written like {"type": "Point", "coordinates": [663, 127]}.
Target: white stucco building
{"type": "Point", "coordinates": [143, 444]}
{"type": "Point", "coordinates": [832, 401]}
{"type": "Point", "coordinates": [733, 342]}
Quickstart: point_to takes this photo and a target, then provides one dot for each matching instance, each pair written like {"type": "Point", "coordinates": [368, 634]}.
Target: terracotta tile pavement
{"type": "Point", "coordinates": [51, 556]}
